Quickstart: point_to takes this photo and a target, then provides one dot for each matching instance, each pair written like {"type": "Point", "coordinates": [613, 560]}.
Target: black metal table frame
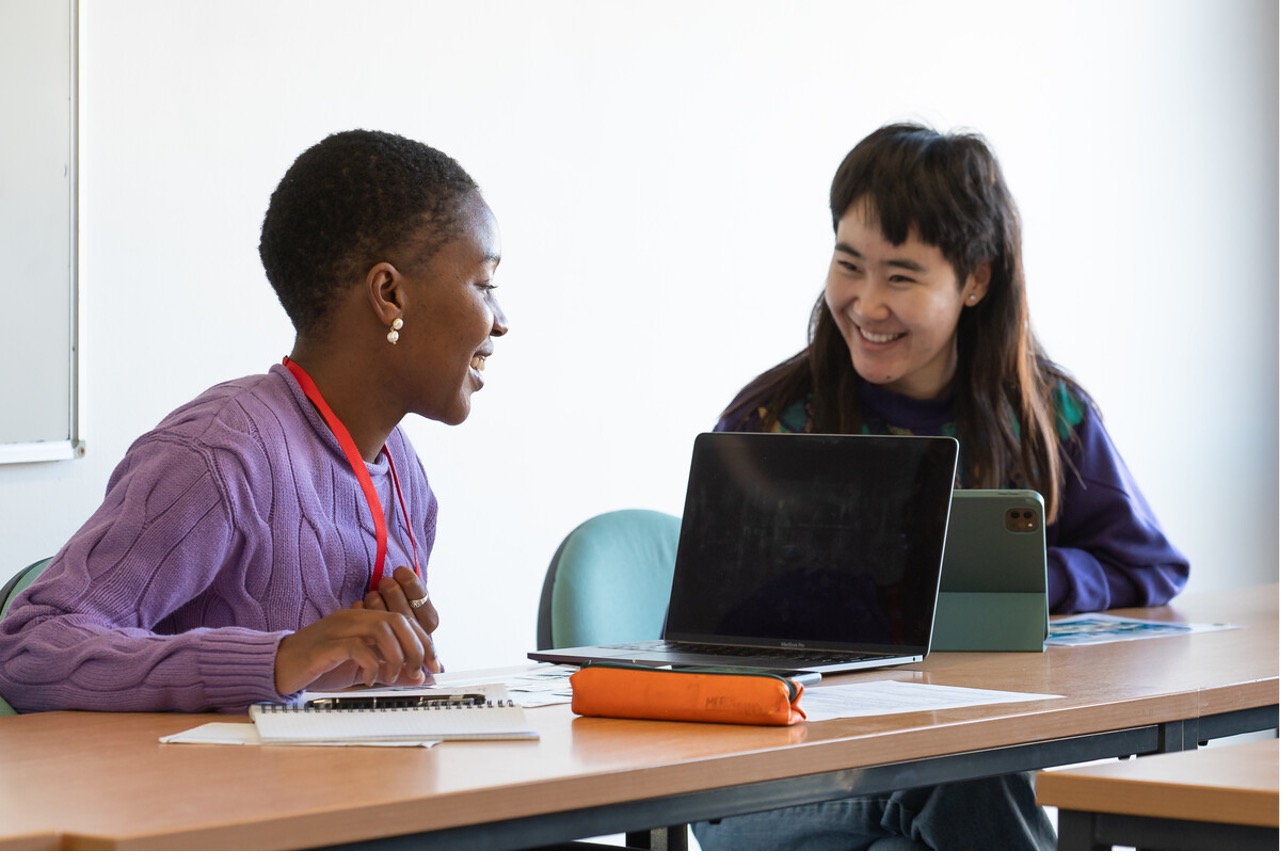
{"type": "Point", "coordinates": [1080, 831]}
{"type": "Point", "coordinates": [660, 823]}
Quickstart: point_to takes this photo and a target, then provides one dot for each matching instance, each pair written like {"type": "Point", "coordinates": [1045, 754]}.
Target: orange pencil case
{"type": "Point", "coordinates": [718, 695]}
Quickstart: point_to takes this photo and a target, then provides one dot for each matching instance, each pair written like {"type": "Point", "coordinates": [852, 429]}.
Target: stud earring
{"type": "Point", "coordinates": [971, 299]}
{"type": "Point", "coordinates": [393, 336]}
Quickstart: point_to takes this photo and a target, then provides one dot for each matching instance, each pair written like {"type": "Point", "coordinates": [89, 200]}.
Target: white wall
{"type": "Point", "coordinates": [660, 171]}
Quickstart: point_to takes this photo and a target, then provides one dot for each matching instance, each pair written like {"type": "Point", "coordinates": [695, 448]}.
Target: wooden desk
{"type": "Point", "coordinates": [1224, 797]}
{"type": "Point", "coordinates": [102, 780]}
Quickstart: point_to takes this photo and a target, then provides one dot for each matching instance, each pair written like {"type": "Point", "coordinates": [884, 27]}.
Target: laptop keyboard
{"type": "Point", "coordinates": [782, 655]}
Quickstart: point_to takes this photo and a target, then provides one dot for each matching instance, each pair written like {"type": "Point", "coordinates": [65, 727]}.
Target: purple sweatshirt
{"type": "Point", "coordinates": [234, 522]}
{"type": "Point", "coordinates": [1106, 550]}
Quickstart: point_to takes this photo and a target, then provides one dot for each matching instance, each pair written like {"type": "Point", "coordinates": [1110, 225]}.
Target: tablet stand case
{"type": "Point", "coordinates": [993, 586]}
{"type": "Point", "coordinates": [990, 622]}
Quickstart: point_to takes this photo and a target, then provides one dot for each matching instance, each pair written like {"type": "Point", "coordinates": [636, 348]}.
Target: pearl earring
{"type": "Point", "coordinates": [971, 299]}
{"type": "Point", "coordinates": [393, 336]}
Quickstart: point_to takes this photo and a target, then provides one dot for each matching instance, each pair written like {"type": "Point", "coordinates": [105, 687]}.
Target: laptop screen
{"type": "Point", "coordinates": [826, 541]}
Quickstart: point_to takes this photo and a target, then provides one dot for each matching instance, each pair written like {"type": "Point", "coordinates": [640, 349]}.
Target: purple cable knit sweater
{"type": "Point", "coordinates": [234, 522]}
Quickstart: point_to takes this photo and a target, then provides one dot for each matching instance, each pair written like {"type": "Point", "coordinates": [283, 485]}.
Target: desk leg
{"type": "Point", "coordinates": [1178, 736]}
{"type": "Point", "coordinates": [1079, 831]}
{"type": "Point", "coordinates": [671, 838]}
{"type": "Point", "coordinates": [1075, 831]}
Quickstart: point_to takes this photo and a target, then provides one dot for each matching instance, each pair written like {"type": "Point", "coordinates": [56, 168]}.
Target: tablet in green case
{"type": "Point", "coordinates": [993, 584]}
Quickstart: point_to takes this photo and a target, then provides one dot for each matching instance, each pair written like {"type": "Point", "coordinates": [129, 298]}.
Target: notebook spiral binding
{"type": "Point", "coordinates": [424, 707]}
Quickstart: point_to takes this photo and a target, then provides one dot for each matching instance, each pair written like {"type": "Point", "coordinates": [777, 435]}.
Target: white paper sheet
{"type": "Point", "coordinates": [540, 686]}
{"type": "Point", "coordinates": [886, 697]}
{"type": "Point", "coordinates": [232, 733]}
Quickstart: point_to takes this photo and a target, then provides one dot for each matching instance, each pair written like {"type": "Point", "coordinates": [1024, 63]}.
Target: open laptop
{"type": "Point", "coordinates": [802, 552]}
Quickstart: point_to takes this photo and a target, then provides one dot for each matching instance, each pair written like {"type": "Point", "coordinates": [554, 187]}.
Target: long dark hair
{"type": "Point", "coordinates": [950, 189]}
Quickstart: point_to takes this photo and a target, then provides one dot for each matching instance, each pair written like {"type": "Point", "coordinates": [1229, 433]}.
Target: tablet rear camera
{"type": "Point", "coordinates": [1021, 520]}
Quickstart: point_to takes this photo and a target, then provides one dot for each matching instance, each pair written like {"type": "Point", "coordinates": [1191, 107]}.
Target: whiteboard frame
{"type": "Point", "coordinates": [72, 446]}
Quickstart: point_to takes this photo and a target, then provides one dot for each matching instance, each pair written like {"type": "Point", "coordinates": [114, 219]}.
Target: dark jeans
{"type": "Point", "coordinates": [987, 814]}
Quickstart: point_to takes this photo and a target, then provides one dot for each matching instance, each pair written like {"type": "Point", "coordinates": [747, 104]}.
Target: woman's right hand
{"type": "Point", "coordinates": [398, 593]}
{"type": "Point", "coordinates": [353, 646]}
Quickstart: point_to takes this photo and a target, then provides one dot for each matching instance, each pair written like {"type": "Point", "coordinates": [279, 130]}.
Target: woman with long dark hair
{"type": "Point", "coordinates": [923, 328]}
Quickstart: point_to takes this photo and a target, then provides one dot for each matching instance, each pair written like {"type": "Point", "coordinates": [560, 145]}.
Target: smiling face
{"type": "Point", "coordinates": [451, 316]}
{"type": "Point", "coordinates": [897, 306]}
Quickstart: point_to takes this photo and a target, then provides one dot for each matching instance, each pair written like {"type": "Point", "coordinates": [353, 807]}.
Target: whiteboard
{"type": "Point", "coordinates": [38, 231]}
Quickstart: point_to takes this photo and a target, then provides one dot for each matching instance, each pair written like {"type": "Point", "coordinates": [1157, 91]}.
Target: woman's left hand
{"type": "Point", "coordinates": [395, 593]}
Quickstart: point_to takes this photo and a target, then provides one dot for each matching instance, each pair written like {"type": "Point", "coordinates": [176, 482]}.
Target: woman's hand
{"type": "Point", "coordinates": [355, 646]}
{"type": "Point", "coordinates": [397, 591]}
{"type": "Point", "coordinates": [396, 594]}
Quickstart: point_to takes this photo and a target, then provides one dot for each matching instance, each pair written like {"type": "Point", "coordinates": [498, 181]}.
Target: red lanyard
{"type": "Point", "coordinates": [362, 474]}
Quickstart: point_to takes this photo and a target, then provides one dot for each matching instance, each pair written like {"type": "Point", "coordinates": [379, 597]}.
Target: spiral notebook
{"type": "Point", "coordinates": [366, 718]}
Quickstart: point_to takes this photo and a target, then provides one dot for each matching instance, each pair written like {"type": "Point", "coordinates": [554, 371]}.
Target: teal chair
{"type": "Point", "coordinates": [609, 580]}
{"type": "Point", "coordinates": [16, 585]}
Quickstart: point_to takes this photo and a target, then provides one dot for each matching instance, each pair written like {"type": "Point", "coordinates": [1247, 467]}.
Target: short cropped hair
{"type": "Point", "coordinates": [353, 200]}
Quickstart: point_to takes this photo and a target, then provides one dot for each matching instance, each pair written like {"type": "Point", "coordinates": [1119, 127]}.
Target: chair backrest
{"type": "Point", "coordinates": [19, 582]}
{"type": "Point", "coordinates": [609, 580]}
{"type": "Point", "coordinates": [12, 588]}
